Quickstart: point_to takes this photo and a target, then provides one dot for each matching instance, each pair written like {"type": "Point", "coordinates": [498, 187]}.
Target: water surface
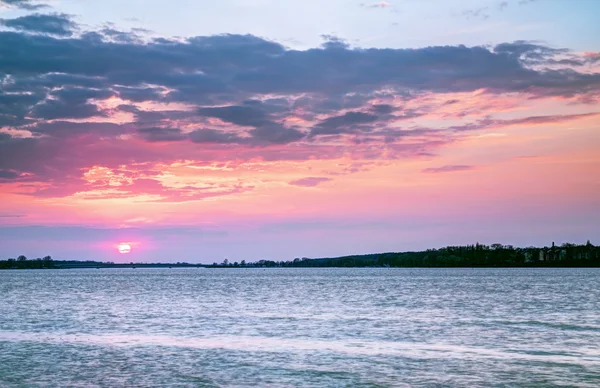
{"type": "Point", "coordinates": [298, 327]}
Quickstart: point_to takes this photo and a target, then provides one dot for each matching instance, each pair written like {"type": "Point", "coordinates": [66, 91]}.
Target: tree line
{"type": "Point", "coordinates": [477, 255]}
{"type": "Point", "coordinates": [22, 262]}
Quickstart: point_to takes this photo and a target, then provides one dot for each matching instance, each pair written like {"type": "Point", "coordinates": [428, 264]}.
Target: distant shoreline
{"type": "Point", "coordinates": [469, 256]}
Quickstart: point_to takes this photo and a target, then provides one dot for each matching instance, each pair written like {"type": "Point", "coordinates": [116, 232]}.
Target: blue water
{"type": "Point", "coordinates": [300, 327]}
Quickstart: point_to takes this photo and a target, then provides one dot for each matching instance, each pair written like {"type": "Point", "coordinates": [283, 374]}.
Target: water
{"type": "Point", "coordinates": [300, 327]}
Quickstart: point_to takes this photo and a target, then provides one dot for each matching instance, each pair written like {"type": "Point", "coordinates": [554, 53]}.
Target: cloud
{"type": "Point", "coordinates": [276, 134]}
{"type": "Point", "coordinates": [547, 119]}
{"type": "Point", "coordinates": [18, 104]}
{"type": "Point", "coordinates": [206, 70]}
{"type": "Point", "coordinates": [239, 115]}
{"type": "Point", "coordinates": [591, 57]}
{"type": "Point", "coordinates": [56, 109]}
{"type": "Point", "coordinates": [254, 115]}
{"type": "Point", "coordinates": [102, 98]}
{"type": "Point", "coordinates": [382, 108]}
{"type": "Point", "coordinates": [381, 4]}
{"type": "Point", "coordinates": [139, 94]}
{"type": "Point", "coordinates": [81, 95]}
{"type": "Point", "coordinates": [66, 103]}
{"type": "Point", "coordinates": [355, 122]}
{"type": "Point", "coordinates": [332, 42]}
{"type": "Point", "coordinates": [348, 122]}
{"type": "Point", "coordinates": [11, 215]}
{"type": "Point", "coordinates": [207, 135]}
{"type": "Point", "coordinates": [7, 174]}
{"type": "Point", "coordinates": [309, 181]}
{"type": "Point", "coordinates": [53, 24]}
{"type": "Point", "coordinates": [161, 134]}
{"type": "Point", "coordinates": [119, 36]}
{"type": "Point", "coordinates": [478, 13]}
{"type": "Point", "coordinates": [23, 4]}
{"type": "Point", "coordinates": [528, 52]}
{"type": "Point", "coordinates": [531, 120]}
{"type": "Point", "coordinates": [447, 168]}
{"type": "Point", "coordinates": [71, 129]}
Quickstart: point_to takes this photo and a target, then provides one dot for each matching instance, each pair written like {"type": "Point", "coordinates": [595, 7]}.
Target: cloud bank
{"type": "Point", "coordinates": [73, 101]}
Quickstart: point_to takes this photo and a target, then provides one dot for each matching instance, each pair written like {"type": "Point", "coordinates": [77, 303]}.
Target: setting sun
{"type": "Point", "coordinates": [124, 248]}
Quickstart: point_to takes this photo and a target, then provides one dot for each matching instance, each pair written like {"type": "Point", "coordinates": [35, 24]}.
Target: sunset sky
{"type": "Point", "coordinates": [260, 129]}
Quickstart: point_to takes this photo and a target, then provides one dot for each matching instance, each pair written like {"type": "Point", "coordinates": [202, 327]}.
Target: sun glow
{"type": "Point", "coordinates": [124, 248]}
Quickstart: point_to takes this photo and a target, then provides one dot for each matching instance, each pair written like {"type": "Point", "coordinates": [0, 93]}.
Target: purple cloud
{"type": "Point", "coordinates": [309, 181]}
{"type": "Point", "coordinates": [448, 168]}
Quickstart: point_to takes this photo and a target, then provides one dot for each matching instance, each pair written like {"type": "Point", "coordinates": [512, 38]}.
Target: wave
{"type": "Point", "coordinates": [587, 357]}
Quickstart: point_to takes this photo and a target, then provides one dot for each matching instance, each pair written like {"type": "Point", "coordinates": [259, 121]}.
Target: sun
{"type": "Point", "coordinates": [124, 248]}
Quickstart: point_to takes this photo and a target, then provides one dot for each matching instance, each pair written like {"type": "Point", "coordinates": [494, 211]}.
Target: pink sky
{"type": "Point", "coordinates": [236, 146]}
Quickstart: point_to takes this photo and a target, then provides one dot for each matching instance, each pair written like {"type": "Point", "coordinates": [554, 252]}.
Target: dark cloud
{"type": "Point", "coordinates": [24, 4]}
{"type": "Point", "coordinates": [239, 115]}
{"type": "Point", "coordinates": [316, 104]}
{"type": "Point", "coordinates": [309, 181]}
{"type": "Point", "coordinates": [333, 42]}
{"type": "Point", "coordinates": [7, 174]}
{"type": "Point", "coordinates": [276, 134]}
{"type": "Point", "coordinates": [382, 108]}
{"type": "Point", "coordinates": [81, 95]}
{"type": "Point", "coordinates": [357, 122]}
{"type": "Point", "coordinates": [58, 109]}
{"type": "Point", "coordinates": [8, 120]}
{"type": "Point", "coordinates": [161, 134]}
{"type": "Point", "coordinates": [255, 114]}
{"type": "Point", "coordinates": [348, 122]}
{"type": "Point", "coordinates": [120, 36]}
{"type": "Point", "coordinates": [448, 168]}
{"type": "Point", "coordinates": [71, 129]}
{"type": "Point", "coordinates": [528, 52]}
{"type": "Point", "coordinates": [54, 24]}
{"type": "Point", "coordinates": [148, 117]}
{"type": "Point", "coordinates": [18, 104]}
{"type": "Point", "coordinates": [215, 136]}
{"type": "Point", "coordinates": [140, 94]}
{"type": "Point", "coordinates": [204, 70]}
{"type": "Point", "coordinates": [44, 82]}
{"type": "Point", "coordinates": [71, 103]}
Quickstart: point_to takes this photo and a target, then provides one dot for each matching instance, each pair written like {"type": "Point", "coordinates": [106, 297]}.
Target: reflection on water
{"type": "Point", "coordinates": [300, 327]}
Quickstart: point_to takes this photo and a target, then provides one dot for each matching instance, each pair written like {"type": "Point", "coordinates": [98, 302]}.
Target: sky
{"type": "Point", "coordinates": [256, 129]}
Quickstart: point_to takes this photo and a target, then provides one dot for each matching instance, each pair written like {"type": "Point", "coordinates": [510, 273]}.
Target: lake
{"type": "Point", "coordinates": [300, 327]}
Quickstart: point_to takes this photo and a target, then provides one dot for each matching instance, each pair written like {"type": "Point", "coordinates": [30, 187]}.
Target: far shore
{"type": "Point", "coordinates": [468, 256]}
